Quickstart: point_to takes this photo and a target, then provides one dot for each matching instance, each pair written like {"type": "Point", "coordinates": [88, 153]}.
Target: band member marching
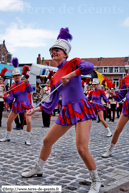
{"type": "Point", "coordinates": [2, 91]}
{"type": "Point", "coordinates": [124, 117]}
{"type": "Point", "coordinates": [20, 119]}
{"type": "Point", "coordinates": [95, 96]}
{"type": "Point", "coordinates": [19, 96]}
{"type": "Point", "coordinates": [76, 109]}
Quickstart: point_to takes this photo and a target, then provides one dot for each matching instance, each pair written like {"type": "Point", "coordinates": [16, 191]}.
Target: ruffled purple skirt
{"type": "Point", "coordinates": [125, 108]}
{"type": "Point", "coordinates": [21, 107]}
{"type": "Point", "coordinates": [76, 112]}
{"type": "Point", "coordinates": [98, 108]}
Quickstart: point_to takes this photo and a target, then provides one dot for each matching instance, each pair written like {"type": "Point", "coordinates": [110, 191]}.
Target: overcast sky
{"type": "Point", "coordinates": [100, 28]}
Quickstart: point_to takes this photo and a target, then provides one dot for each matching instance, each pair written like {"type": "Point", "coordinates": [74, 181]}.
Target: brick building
{"type": "Point", "coordinates": [45, 62]}
{"type": "Point", "coordinates": [112, 68]}
{"type": "Point", "coordinates": [5, 56]}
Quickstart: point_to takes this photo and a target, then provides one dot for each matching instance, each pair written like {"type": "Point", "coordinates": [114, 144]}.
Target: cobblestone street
{"type": "Point", "coordinates": [64, 167]}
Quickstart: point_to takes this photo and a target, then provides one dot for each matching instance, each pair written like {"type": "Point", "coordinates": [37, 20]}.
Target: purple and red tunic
{"type": "Point", "coordinates": [75, 106]}
{"type": "Point", "coordinates": [124, 93]}
{"type": "Point", "coordinates": [19, 94]}
{"type": "Point", "coordinates": [95, 96]}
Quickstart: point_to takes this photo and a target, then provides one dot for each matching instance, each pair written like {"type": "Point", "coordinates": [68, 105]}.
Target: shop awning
{"type": "Point", "coordinates": [8, 74]}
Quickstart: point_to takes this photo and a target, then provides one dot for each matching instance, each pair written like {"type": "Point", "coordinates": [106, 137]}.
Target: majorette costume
{"type": "Point", "coordinates": [2, 90]}
{"type": "Point", "coordinates": [19, 92]}
{"type": "Point", "coordinates": [124, 92]}
{"type": "Point", "coordinates": [75, 106]}
{"type": "Point", "coordinates": [95, 96]}
{"type": "Point", "coordinates": [20, 119]}
{"type": "Point", "coordinates": [26, 76]}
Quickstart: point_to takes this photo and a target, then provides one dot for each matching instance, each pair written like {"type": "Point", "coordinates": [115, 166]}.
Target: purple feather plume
{"type": "Point", "coordinates": [15, 62]}
{"type": "Point", "coordinates": [64, 34]}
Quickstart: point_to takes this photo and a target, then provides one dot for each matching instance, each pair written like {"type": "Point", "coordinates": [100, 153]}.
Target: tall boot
{"type": "Point", "coordinates": [109, 151]}
{"type": "Point", "coordinates": [37, 170]}
{"type": "Point", "coordinates": [27, 142]}
{"type": "Point", "coordinates": [96, 183]}
{"type": "Point", "coordinates": [7, 137]}
{"type": "Point", "coordinates": [109, 132]}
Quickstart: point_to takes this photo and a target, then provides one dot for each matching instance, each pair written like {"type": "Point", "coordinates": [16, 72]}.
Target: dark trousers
{"type": "Point", "coordinates": [119, 109]}
{"type": "Point", "coordinates": [19, 120]}
{"type": "Point", "coordinates": [1, 110]}
{"type": "Point", "coordinates": [46, 119]}
{"type": "Point", "coordinates": [10, 105]}
{"type": "Point", "coordinates": [113, 108]}
{"type": "Point", "coordinates": [109, 114]}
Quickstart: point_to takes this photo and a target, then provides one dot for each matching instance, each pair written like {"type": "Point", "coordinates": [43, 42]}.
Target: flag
{"type": "Point", "coordinates": [102, 79]}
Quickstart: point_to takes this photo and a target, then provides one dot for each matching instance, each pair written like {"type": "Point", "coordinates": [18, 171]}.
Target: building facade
{"type": "Point", "coordinates": [112, 68]}
{"type": "Point", "coordinates": [5, 56]}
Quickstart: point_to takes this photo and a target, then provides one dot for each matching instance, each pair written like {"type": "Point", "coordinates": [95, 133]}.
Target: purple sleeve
{"type": "Point", "coordinates": [121, 94]}
{"type": "Point", "coordinates": [50, 105]}
{"type": "Point", "coordinates": [104, 97]}
{"type": "Point", "coordinates": [29, 88]}
{"type": "Point", "coordinates": [9, 99]}
{"type": "Point", "coordinates": [85, 67]}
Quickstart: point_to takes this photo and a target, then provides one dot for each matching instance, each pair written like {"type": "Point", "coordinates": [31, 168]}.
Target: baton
{"type": "Point", "coordinates": [14, 87]}
{"type": "Point", "coordinates": [47, 96]}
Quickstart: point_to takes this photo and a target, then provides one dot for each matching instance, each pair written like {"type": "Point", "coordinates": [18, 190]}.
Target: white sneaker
{"type": "Point", "coordinates": [109, 151]}
{"type": "Point", "coordinates": [109, 134]}
{"type": "Point", "coordinates": [107, 154]}
{"type": "Point", "coordinates": [4, 139]}
{"type": "Point", "coordinates": [37, 170]}
{"type": "Point", "coordinates": [7, 137]}
{"type": "Point", "coordinates": [32, 172]}
{"type": "Point", "coordinates": [96, 183]}
{"type": "Point", "coordinates": [27, 142]}
{"type": "Point", "coordinates": [95, 187]}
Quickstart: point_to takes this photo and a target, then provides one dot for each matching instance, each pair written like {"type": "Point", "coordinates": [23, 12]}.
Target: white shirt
{"type": "Point", "coordinates": [1, 92]}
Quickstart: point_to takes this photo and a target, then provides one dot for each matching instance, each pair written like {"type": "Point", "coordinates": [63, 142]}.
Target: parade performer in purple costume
{"type": "Point", "coordinates": [19, 94]}
{"type": "Point", "coordinates": [124, 117]}
{"type": "Point", "coordinates": [2, 91]}
{"type": "Point", "coordinates": [95, 96]}
{"type": "Point", "coordinates": [76, 109]}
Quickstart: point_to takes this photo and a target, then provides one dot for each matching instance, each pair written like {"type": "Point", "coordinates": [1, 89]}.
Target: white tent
{"type": "Point", "coordinates": [38, 69]}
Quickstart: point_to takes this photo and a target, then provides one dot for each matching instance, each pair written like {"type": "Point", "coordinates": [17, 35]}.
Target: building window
{"type": "Point", "coordinates": [105, 69]}
{"type": "Point", "coordinates": [3, 58]}
{"type": "Point", "coordinates": [122, 70]}
{"type": "Point", "coordinates": [116, 69]}
{"type": "Point", "coordinates": [9, 57]}
{"type": "Point", "coordinates": [111, 69]}
{"type": "Point", "coordinates": [99, 69]}
{"type": "Point", "coordinates": [116, 81]}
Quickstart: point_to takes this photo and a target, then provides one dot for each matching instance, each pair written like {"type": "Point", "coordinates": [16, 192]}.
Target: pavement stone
{"type": "Point", "coordinates": [64, 166]}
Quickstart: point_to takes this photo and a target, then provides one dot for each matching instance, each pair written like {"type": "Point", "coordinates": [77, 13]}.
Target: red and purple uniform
{"type": "Point", "coordinates": [96, 96]}
{"type": "Point", "coordinates": [124, 93]}
{"type": "Point", "coordinates": [19, 94]}
{"type": "Point", "coordinates": [75, 106]}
